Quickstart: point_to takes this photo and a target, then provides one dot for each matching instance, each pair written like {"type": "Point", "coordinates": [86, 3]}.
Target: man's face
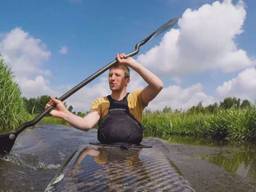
{"type": "Point", "coordinates": [117, 80]}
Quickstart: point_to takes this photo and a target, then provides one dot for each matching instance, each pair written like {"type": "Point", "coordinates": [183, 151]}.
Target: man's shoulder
{"type": "Point", "coordinates": [135, 93]}
{"type": "Point", "coordinates": [135, 98]}
{"type": "Point", "coordinates": [100, 100]}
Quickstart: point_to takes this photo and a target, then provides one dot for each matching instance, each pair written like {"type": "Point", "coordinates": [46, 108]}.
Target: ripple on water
{"type": "Point", "coordinates": [31, 163]}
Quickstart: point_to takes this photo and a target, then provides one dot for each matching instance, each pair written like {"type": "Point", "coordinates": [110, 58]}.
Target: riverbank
{"type": "Point", "coordinates": [231, 125]}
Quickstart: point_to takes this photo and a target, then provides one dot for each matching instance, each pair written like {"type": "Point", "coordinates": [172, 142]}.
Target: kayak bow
{"type": "Point", "coordinates": [108, 168]}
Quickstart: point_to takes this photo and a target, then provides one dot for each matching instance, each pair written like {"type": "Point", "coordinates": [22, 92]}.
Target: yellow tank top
{"type": "Point", "coordinates": [135, 104]}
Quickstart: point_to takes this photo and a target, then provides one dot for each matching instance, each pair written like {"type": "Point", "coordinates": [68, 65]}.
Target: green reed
{"type": "Point", "coordinates": [224, 124]}
{"type": "Point", "coordinates": [12, 111]}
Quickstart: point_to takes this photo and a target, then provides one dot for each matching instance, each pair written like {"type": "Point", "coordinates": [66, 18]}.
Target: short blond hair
{"type": "Point", "coordinates": [124, 67]}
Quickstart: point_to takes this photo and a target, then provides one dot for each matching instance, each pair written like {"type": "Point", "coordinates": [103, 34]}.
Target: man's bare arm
{"type": "Point", "coordinates": [87, 122]}
{"type": "Point", "coordinates": [155, 84]}
{"type": "Point", "coordinates": [60, 111]}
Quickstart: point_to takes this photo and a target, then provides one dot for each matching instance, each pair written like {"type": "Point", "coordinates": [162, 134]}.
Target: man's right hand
{"type": "Point", "coordinates": [59, 108]}
{"type": "Point", "coordinates": [85, 123]}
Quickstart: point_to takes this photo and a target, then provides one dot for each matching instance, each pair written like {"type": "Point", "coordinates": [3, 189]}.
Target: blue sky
{"type": "Point", "coordinates": [52, 45]}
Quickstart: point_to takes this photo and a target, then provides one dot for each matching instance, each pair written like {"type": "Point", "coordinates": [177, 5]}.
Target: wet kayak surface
{"type": "Point", "coordinates": [39, 153]}
{"type": "Point", "coordinates": [114, 168]}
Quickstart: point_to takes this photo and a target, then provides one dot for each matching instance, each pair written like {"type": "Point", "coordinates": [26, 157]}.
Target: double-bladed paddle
{"type": "Point", "coordinates": [7, 140]}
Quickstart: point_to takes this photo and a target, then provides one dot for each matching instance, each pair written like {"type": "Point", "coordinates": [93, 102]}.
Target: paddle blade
{"type": "Point", "coordinates": [6, 144]}
{"type": "Point", "coordinates": [161, 29]}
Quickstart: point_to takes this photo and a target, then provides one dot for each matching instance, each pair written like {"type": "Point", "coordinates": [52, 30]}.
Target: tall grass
{"type": "Point", "coordinates": [12, 111]}
{"type": "Point", "coordinates": [224, 124]}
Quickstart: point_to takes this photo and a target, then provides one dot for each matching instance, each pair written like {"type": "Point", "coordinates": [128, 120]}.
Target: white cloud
{"type": "Point", "coordinates": [177, 97]}
{"type": "Point", "coordinates": [204, 41]}
{"type": "Point", "coordinates": [36, 87]}
{"type": "Point", "coordinates": [242, 86]}
{"type": "Point", "coordinates": [25, 55]}
{"type": "Point", "coordinates": [63, 50]}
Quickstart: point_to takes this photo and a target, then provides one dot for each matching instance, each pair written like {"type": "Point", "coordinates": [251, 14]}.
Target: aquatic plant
{"type": "Point", "coordinates": [231, 124]}
{"type": "Point", "coordinates": [12, 111]}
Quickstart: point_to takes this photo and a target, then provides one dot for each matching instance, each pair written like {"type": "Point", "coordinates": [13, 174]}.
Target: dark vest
{"type": "Point", "coordinates": [119, 125]}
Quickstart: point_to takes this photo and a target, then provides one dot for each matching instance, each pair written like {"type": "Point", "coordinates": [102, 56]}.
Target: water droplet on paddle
{"type": "Point", "coordinates": [12, 136]}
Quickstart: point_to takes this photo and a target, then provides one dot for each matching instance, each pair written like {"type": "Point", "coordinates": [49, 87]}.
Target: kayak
{"type": "Point", "coordinates": [118, 168]}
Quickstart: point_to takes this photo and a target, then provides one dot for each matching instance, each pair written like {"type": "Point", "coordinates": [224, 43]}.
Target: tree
{"type": "Point", "coordinates": [245, 104]}
{"type": "Point", "coordinates": [167, 109]}
{"type": "Point", "coordinates": [36, 105]}
{"type": "Point", "coordinates": [196, 109]}
{"type": "Point", "coordinates": [230, 102]}
{"type": "Point", "coordinates": [212, 108]}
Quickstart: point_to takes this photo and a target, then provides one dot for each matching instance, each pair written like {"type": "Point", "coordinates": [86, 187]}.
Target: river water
{"type": "Point", "coordinates": [39, 152]}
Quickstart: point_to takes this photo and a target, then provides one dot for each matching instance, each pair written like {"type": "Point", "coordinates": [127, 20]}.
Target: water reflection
{"type": "Point", "coordinates": [240, 161]}
{"type": "Point", "coordinates": [195, 141]}
{"type": "Point", "coordinates": [115, 169]}
{"type": "Point", "coordinates": [236, 159]}
{"type": "Point", "coordinates": [109, 166]}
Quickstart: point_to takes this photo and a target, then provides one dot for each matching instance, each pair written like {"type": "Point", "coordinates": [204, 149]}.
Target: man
{"type": "Point", "coordinates": [119, 114]}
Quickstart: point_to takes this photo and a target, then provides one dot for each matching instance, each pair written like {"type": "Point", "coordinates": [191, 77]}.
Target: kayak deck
{"type": "Point", "coordinates": [106, 168]}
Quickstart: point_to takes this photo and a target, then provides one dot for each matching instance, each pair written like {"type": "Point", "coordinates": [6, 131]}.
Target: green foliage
{"type": "Point", "coordinates": [224, 124]}
{"type": "Point", "coordinates": [245, 104]}
{"type": "Point", "coordinates": [230, 102]}
{"type": "Point", "coordinates": [36, 105]}
{"type": "Point", "coordinates": [232, 124]}
{"type": "Point", "coordinates": [250, 123]}
{"type": "Point", "coordinates": [12, 111]}
{"type": "Point", "coordinates": [53, 120]}
{"type": "Point", "coordinates": [167, 109]}
{"type": "Point", "coordinates": [81, 114]}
